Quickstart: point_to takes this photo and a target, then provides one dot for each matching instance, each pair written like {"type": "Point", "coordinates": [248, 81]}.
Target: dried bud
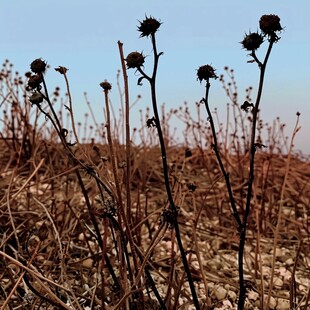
{"type": "Point", "coordinates": [61, 70]}
{"type": "Point", "coordinates": [43, 232]}
{"type": "Point", "coordinates": [206, 72]}
{"type": "Point", "coordinates": [148, 26]}
{"type": "Point", "coordinates": [188, 153]}
{"type": "Point", "coordinates": [135, 60]}
{"type": "Point", "coordinates": [170, 216]}
{"type": "Point", "coordinates": [36, 98]}
{"type": "Point", "coordinates": [38, 66]}
{"type": "Point", "coordinates": [191, 187]}
{"type": "Point", "coordinates": [151, 122]}
{"type": "Point", "coordinates": [252, 41]}
{"type": "Point", "coordinates": [246, 106]}
{"type": "Point", "coordinates": [269, 24]}
{"type": "Point", "coordinates": [106, 86]}
{"type": "Point", "coordinates": [34, 82]}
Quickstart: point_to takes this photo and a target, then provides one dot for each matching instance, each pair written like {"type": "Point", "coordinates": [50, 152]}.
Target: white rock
{"type": "Point", "coordinates": [283, 304]}
{"type": "Point", "coordinates": [253, 295]}
{"type": "Point", "coordinates": [227, 303]}
{"type": "Point", "coordinates": [272, 302]}
{"type": "Point", "coordinates": [232, 296]}
{"type": "Point", "coordinates": [278, 252]}
{"type": "Point", "coordinates": [289, 262]}
{"type": "Point", "coordinates": [277, 282]}
{"type": "Point", "coordinates": [220, 293]}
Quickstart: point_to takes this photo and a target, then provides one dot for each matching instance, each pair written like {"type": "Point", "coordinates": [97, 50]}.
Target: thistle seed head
{"type": "Point", "coordinates": [135, 60]}
{"type": "Point", "coordinates": [34, 82]}
{"type": "Point", "coordinates": [252, 41]}
{"type": "Point", "coordinates": [148, 26]}
{"type": "Point", "coordinates": [206, 72]}
{"type": "Point", "coordinates": [269, 24]}
{"type": "Point", "coordinates": [36, 98]}
{"type": "Point", "coordinates": [38, 66]}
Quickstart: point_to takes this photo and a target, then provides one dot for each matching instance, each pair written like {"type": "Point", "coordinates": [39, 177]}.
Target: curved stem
{"type": "Point", "coordinates": [70, 108]}
{"type": "Point", "coordinates": [219, 159]}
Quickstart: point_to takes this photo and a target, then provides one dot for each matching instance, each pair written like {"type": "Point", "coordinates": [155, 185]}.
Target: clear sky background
{"type": "Point", "coordinates": [83, 35]}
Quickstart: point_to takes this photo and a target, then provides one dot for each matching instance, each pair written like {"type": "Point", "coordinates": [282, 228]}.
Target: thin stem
{"type": "Point", "coordinates": [172, 205]}
{"type": "Point", "coordinates": [219, 159]}
{"type": "Point", "coordinates": [70, 107]}
{"type": "Point", "coordinates": [58, 127]}
{"type": "Point", "coordinates": [242, 293]}
{"type": "Point", "coordinates": [122, 215]}
{"type": "Point", "coordinates": [127, 126]}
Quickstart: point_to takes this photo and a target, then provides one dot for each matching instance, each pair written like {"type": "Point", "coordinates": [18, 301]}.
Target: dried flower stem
{"type": "Point", "coordinates": [56, 124]}
{"type": "Point", "coordinates": [70, 107]}
{"type": "Point", "coordinates": [262, 67]}
{"type": "Point", "coordinates": [127, 126]}
{"type": "Point", "coordinates": [121, 212]}
{"type": "Point", "coordinates": [219, 159]}
{"type": "Point", "coordinates": [172, 206]}
{"type": "Point", "coordinates": [277, 230]}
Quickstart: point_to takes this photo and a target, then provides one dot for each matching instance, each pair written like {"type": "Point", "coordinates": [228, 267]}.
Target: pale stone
{"type": "Point", "coordinates": [289, 262]}
{"type": "Point", "coordinates": [252, 295]}
{"type": "Point", "coordinates": [220, 293]}
{"type": "Point", "coordinates": [283, 304]}
{"type": "Point", "coordinates": [272, 302]}
{"type": "Point", "coordinates": [278, 252]}
{"type": "Point", "coordinates": [278, 283]}
{"type": "Point", "coordinates": [232, 296]}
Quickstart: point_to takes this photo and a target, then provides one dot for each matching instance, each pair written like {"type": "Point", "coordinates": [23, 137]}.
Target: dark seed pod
{"type": "Point", "coordinates": [206, 72]}
{"type": "Point", "coordinates": [34, 82]}
{"type": "Point", "coordinates": [269, 24]}
{"type": "Point", "coordinates": [134, 60]}
{"type": "Point", "coordinates": [148, 26]}
{"type": "Point", "coordinates": [252, 41]}
{"type": "Point", "coordinates": [106, 86]}
{"type": "Point", "coordinates": [61, 70]}
{"type": "Point", "coordinates": [38, 66]}
{"type": "Point", "coordinates": [36, 98]}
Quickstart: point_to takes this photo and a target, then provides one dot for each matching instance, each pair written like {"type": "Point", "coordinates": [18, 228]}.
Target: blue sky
{"type": "Point", "coordinates": [83, 35]}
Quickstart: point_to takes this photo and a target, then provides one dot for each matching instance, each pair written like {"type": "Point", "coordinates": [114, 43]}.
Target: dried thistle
{"type": "Point", "coordinates": [148, 26]}
{"type": "Point", "coordinates": [34, 82]}
{"type": "Point", "coordinates": [135, 60]}
{"type": "Point", "coordinates": [269, 24]}
{"type": "Point", "coordinates": [36, 98]}
{"type": "Point", "coordinates": [206, 72]}
{"type": "Point", "coordinates": [38, 66]}
{"type": "Point", "coordinates": [252, 41]}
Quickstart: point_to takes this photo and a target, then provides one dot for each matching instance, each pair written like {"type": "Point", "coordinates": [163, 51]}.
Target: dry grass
{"type": "Point", "coordinates": [45, 192]}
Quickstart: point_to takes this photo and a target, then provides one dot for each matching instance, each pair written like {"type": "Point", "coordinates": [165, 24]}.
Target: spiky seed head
{"type": "Point", "coordinates": [206, 72]}
{"type": "Point", "coordinates": [135, 60]}
{"type": "Point", "coordinates": [252, 41]}
{"type": "Point", "coordinates": [148, 26]}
